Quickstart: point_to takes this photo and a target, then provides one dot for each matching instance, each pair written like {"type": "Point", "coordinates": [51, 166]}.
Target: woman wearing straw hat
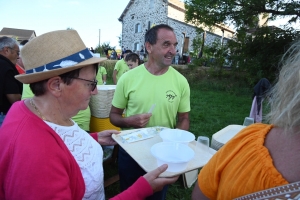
{"type": "Point", "coordinates": [43, 153]}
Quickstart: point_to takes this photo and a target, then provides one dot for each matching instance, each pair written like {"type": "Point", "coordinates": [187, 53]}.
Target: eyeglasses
{"type": "Point", "coordinates": [18, 52]}
{"type": "Point", "coordinates": [93, 84]}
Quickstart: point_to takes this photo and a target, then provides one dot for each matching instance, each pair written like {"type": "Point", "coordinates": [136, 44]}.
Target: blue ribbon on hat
{"type": "Point", "coordinates": [68, 61]}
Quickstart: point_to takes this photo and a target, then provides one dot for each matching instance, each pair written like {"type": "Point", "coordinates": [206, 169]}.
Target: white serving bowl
{"type": "Point", "coordinates": [177, 135]}
{"type": "Point", "coordinates": [176, 155]}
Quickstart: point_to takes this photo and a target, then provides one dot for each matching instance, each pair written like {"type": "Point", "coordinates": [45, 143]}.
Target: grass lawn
{"type": "Point", "coordinates": [215, 104]}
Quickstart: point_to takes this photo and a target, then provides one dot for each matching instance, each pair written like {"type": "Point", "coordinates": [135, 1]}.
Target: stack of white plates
{"type": "Point", "coordinates": [224, 135]}
{"type": "Point", "coordinates": [215, 144]}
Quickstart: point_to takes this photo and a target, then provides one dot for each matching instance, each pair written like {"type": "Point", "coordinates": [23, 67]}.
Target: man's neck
{"type": "Point", "coordinates": [155, 69]}
{"type": "Point", "coordinates": [3, 56]}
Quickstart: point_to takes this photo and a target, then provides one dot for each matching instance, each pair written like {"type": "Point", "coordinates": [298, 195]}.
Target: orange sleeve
{"type": "Point", "coordinates": [240, 167]}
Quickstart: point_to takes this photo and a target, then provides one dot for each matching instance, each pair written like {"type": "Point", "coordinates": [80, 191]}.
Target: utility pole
{"type": "Point", "coordinates": [99, 37]}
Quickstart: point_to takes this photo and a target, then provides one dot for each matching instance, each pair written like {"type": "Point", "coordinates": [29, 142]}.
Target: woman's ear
{"type": "Point", "coordinates": [55, 85]}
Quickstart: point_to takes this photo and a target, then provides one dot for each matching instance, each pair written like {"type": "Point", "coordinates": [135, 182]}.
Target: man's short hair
{"type": "Point", "coordinates": [127, 51]}
{"type": "Point", "coordinates": [7, 42]}
{"type": "Point", "coordinates": [133, 57]}
{"type": "Point", "coordinates": [23, 42]}
{"type": "Point", "coordinates": [151, 34]}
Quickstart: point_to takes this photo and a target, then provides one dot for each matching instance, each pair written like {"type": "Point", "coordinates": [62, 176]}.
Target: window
{"type": "Point", "coordinates": [151, 3]}
{"type": "Point", "coordinates": [149, 25]}
{"type": "Point", "coordinates": [138, 28]}
{"type": "Point", "coordinates": [136, 46]}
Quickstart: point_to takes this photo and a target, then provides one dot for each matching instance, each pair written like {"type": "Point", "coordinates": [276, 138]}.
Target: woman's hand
{"type": "Point", "coordinates": [157, 183]}
{"type": "Point", "coordinates": [104, 137]}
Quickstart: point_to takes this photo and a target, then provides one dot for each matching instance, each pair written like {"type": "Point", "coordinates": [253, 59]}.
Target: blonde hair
{"type": "Point", "coordinates": [285, 95]}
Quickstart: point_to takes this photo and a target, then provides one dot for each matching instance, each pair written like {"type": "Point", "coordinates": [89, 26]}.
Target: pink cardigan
{"type": "Point", "coordinates": [36, 164]}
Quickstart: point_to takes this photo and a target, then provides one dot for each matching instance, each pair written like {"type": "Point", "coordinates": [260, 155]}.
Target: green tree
{"type": "Point", "coordinates": [101, 49]}
{"type": "Point", "coordinates": [120, 40]}
{"type": "Point", "coordinates": [212, 55]}
{"type": "Point", "coordinates": [240, 13]}
{"type": "Point", "coordinates": [258, 53]}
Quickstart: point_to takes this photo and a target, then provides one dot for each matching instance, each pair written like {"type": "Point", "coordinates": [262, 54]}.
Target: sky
{"type": "Point", "coordinates": [87, 17]}
{"type": "Point", "coordinates": [90, 18]}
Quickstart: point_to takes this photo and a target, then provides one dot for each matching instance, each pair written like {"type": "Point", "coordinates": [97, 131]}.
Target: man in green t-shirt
{"type": "Point", "coordinates": [101, 76]}
{"type": "Point", "coordinates": [121, 67]}
{"type": "Point", "coordinates": [153, 83]}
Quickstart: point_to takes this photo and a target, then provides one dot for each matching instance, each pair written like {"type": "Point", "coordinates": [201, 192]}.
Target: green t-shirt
{"type": "Point", "coordinates": [82, 118]}
{"type": "Point", "coordinates": [101, 72]}
{"type": "Point", "coordinates": [138, 90]}
{"type": "Point", "coordinates": [122, 67]}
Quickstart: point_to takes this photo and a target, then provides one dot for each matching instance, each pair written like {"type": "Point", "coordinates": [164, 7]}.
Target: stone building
{"type": "Point", "coordinates": [140, 15]}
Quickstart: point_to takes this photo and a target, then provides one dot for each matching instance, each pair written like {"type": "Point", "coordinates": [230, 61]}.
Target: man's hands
{"type": "Point", "coordinates": [157, 183]}
{"type": "Point", "coordinates": [139, 120]}
{"type": "Point", "coordinates": [134, 121]}
{"type": "Point", "coordinates": [104, 137]}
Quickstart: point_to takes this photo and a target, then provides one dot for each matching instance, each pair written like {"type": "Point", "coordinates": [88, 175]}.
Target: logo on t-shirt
{"type": "Point", "coordinates": [170, 95]}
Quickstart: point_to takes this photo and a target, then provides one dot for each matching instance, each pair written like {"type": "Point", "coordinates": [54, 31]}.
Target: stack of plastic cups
{"type": "Point", "coordinates": [100, 105]}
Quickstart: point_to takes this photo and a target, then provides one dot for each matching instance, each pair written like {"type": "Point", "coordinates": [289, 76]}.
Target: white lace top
{"type": "Point", "coordinates": [89, 156]}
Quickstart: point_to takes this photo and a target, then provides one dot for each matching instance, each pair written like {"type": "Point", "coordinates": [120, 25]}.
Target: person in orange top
{"type": "Point", "coordinates": [261, 156]}
{"type": "Point", "coordinates": [19, 68]}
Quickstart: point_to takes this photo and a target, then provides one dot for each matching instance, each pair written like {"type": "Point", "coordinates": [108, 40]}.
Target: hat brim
{"type": "Point", "coordinates": [40, 76]}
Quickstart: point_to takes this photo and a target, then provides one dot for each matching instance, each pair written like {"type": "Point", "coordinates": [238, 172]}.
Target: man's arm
{"type": "Point", "coordinates": [115, 77]}
{"type": "Point", "coordinates": [104, 79]}
{"type": "Point", "coordinates": [12, 98]}
{"type": "Point", "coordinates": [183, 121]}
{"type": "Point", "coordinates": [134, 121]}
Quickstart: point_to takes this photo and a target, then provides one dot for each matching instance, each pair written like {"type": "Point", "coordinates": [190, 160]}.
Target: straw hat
{"type": "Point", "coordinates": [54, 53]}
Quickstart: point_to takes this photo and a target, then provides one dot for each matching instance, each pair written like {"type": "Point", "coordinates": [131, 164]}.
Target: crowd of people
{"type": "Point", "coordinates": [48, 153]}
{"type": "Point", "coordinates": [44, 154]}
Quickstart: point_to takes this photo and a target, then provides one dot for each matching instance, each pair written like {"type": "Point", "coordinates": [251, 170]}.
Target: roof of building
{"type": "Point", "coordinates": [175, 3]}
{"type": "Point", "coordinates": [125, 10]}
{"type": "Point", "coordinates": [21, 34]}
{"type": "Point", "coordinates": [272, 28]}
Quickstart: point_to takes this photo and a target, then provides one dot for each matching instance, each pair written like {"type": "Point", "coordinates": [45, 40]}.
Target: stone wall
{"type": "Point", "coordinates": [143, 12]}
{"type": "Point", "coordinates": [151, 12]}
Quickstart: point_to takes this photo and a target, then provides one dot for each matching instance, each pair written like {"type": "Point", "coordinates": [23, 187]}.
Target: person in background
{"type": "Point", "coordinates": [92, 50]}
{"type": "Point", "coordinates": [101, 75]}
{"type": "Point", "coordinates": [152, 83]}
{"type": "Point", "coordinates": [132, 60]}
{"type": "Point", "coordinates": [43, 152]}
{"type": "Point", "coordinates": [113, 55]}
{"type": "Point", "coordinates": [106, 53]}
{"type": "Point", "coordinates": [10, 88]}
{"type": "Point", "coordinates": [177, 55]}
{"type": "Point", "coordinates": [142, 53]}
{"type": "Point", "coordinates": [123, 51]}
{"type": "Point", "coordinates": [120, 68]}
{"type": "Point", "coordinates": [261, 156]}
{"type": "Point", "coordinates": [259, 94]}
{"type": "Point", "coordinates": [19, 64]}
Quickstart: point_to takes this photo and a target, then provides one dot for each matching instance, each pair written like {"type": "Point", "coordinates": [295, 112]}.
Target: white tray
{"type": "Point", "coordinates": [140, 152]}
